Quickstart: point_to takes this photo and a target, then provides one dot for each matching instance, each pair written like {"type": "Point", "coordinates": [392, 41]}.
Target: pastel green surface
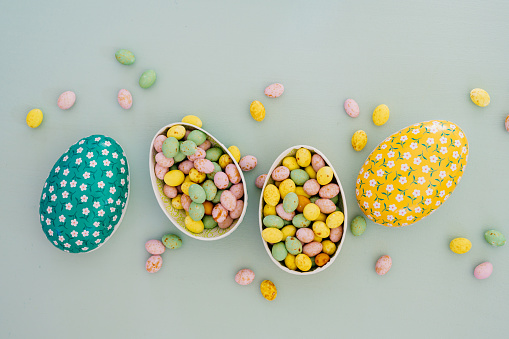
{"type": "Point", "coordinates": [147, 78]}
{"type": "Point", "coordinates": [213, 58]}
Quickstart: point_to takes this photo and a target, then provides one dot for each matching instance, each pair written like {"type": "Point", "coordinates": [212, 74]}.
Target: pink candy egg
{"type": "Point", "coordinates": [228, 200]}
{"type": "Point", "coordinates": [237, 212]}
{"type": "Point", "coordinates": [160, 171]}
{"type": "Point", "coordinates": [186, 166]}
{"type": "Point", "coordinates": [351, 108]}
{"type": "Point", "coordinates": [206, 145]}
{"type": "Point", "coordinates": [484, 270]}
{"type": "Point", "coordinates": [312, 249]}
{"type": "Point", "coordinates": [233, 173]}
{"type": "Point", "coordinates": [326, 205]}
{"type": "Point", "coordinates": [305, 235]}
{"type": "Point", "coordinates": [274, 90]}
{"type": "Point", "coordinates": [199, 154]}
{"type": "Point", "coordinates": [383, 265]}
{"type": "Point", "coordinates": [164, 161]}
{"type": "Point", "coordinates": [226, 223]}
{"type": "Point", "coordinates": [244, 277]}
{"type": "Point", "coordinates": [185, 201]}
{"type": "Point", "coordinates": [158, 143]}
{"type": "Point", "coordinates": [155, 247]}
{"type": "Point", "coordinates": [204, 166]}
{"type": "Point", "coordinates": [280, 173]}
{"type": "Point", "coordinates": [237, 190]}
{"type": "Point", "coordinates": [219, 213]}
{"type": "Point", "coordinates": [317, 162]}
{"type": "Point", "coordinates": [170, 191]}
{"type": "Point", "coordinates": [66, 100]}
{"type": "Point", "coordinates": [283, 214]}
{"type": "Point", "coordinates": [260, 180]}
{"type": "Point", "coordinates": [154, 264]}
{"type": "Point", "coordinates": [248, 163]}
{"type": "Point", "coordinates": [221, 180]}
{"type": "Point", "coordinates": [336, 234]}
{"type": "Point", "coordinates": [311, 187]}
{"type": "Point", "coordinates": [125, 99]}
{"type": "Point", "coordinates": [329, 191]}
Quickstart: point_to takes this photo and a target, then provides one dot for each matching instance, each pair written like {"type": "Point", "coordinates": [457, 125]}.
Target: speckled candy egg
{"type": "Point", "coordinates": [351, 108]}
{"type": "Point", "coordinates": [274, 90]}
{"type": "Point", "coordinates": [412, 173]}
{"type": "Point", "coordinates": [280, 173]}
{"type": "Point", "coordinates": [154, 264]}
{"type": "Point", "coordinates": [66, 100]}
{"type": "Point", "coordinates": [155, 247]}
{"type": "Point", "coordinates": [85, 195]}
{"type": "Point", "coordinates": [125, 99]}
{"type": "Point", "coordinates": [248, 163]}
{"type": "Point", "coordinates": [244, 277]}
{"type": "Point", "coordinates": [484, 270]}
{"type": "Point", "coordinates": [383, 265]}
{"type": "Point", "coordinates": [260, 180]}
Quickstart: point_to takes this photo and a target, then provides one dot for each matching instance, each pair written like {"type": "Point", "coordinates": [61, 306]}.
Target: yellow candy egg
{"type": "Point", "coordinates": [34, 118]}
{"type": "Point", "coordinates": [257, 110]}
{"type": "Point", "coordinates": [460, 245]}
{"type": "Point", "coordinates": [303, 157]}
{"type": "Point", "coordinates": [335, 219]}
{"type": "Point", "coordinates": [272, 235]}
{"type": "Point", "coordinates": [290, 262]}
{"type": "Point", "coordinates": [185, 186]}
{"type": "Point", "coordinates": [480, 97]}
{"type": "Point", "coordinates": [324, 175]}
{"type": "Point", "coordinates": [174, 178]}
{"type": "Point", "coordinates": [176, 131]}
{"type": "Point", "coordinates": [286, 187]}
{"type": "Point", "coordinates": [328, 247]}
{"type": "Point", "coordinates": [381, 115]}
{"type": "Point", "coordinates": [321, 229]}
{"type": "Point", "coordinates": [269, 210]}
{"type": "Point", "coordinates": [277, 183]}
{"type": "Point", "coordinates": [225, 160]}
{"type": "Point", "coordinates": [268, 290]}
{"type": "Point", "coordinates": [311, 172]}
{"type": "Point", "coordinates": [299, 190]}
{"type": "Point", "coordinates": [290, 163]}
{"type": "Point", "coordinates": [271, 195]}
{"type": "Point", "coordinates": [321, 217]}
{"type": "Point", "coordinates": [234, 150]}
{"type": "Point", "coordinates": [359, 140]}
{"type": "Point", "coordinates": [317, 238]}
{"type": "Point", "coordinates": [196, 176]}
{"type": "Point", "coordinates": [194, 226]}
{"type": "Point", "coordinates": [289, 231]}
{"type": "Point", "coordinates": [311, 211]}
{"type": "Point", "coordinates": [193, 120]}
{"type": "Point", "coordinates": [303, 262]}
{"type": "Point", "coordinates": [175, 202]}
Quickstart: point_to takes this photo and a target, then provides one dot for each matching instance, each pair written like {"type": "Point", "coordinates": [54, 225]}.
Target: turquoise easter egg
{"type": "Point", "coordinates": [85, 195]}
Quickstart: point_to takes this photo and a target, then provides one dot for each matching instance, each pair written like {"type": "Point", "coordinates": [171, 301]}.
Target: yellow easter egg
{"type": "Point", "coordinates": [272, 235]}
{"type": "Point", "coordinates": [234, 150]}
{"type": "Point", "coordinates": [174, 178]}
{"type": "Point", "coordinates": [303, 262]}
{"type": "Point", "coordinates": [175, 202]}
{"type": "Point", "coordinates": [290, 163]}
{"type": "Point", "coordinates": [480, 97]}
{"type": "Point", "coordinates": [324, 175]}
{"type": "Point", "coordinates": [269, 210]}
{"type": "Point", "coordinates": [321, 217]}
{"type": "Point", "coordinates": [289, 231]}
{"type": "Point", "coordinates": [311, 172]}
{"type": "Point", "coordinates": [286, 187]}
{"type": "Point", "coordinates": [185, 186]}
{"type": "Point", "coordinates": [335, 219]}
{"type": "Point", "coordinates": [412, 173]}
{"type": "Point", "coordinates": [196, 176]}
{"type": "Point", "coordinates": [225, 160]}
{"type": "Point", "coordinates": [176, 131]}
{"type": "Point", "coordinates": [359, 140]}
{"type": "Point", "coordinates": [290, 262]}
{"type": "Point", "coordinates": [328, 247]}
{"type": "Point", "coordinates": [257, 110]}
{"type": "Point", "coordinates": [311, 211]}
{"type": "Point", "coordinates": [194, 226]}
{"type": "Point", "coordinates": [268, 290]}
{"type": "Point", "coordinates": [193, 120]}
{"type": "Point", "coordinates": [303, 157]}
{"type": "Point", "coordinates": [381, 115]}
{"type": "Point", "coordinates": [317, 238]}
{"type": "Point", "coordinates": [460, 245]}
{"type": "Point", "coordinates": [34, 118]}
{"type": "Point", "coordinates": [299, 190]}
{"type": "Point", "coordinates": [271, 195]}
{"type": "Point", "coordinates": [321, 229]}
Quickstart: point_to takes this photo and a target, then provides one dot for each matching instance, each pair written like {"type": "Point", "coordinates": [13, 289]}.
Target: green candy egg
{"type": "Point", "coordinates": [188, 147]}
{"type": "Point", "coordinates": [197, 194]}
{"type": "Point", "coordinates": [335, 199]}
{"type": "Point", "coordinates": [210, 190]}
{"type": "Point", "coordinates": [313, 199]}
{"type": "Point", "coordinates": [209, 222]}
{"type": "Point", "coordinates": [299, 176]}
{"type": "Point", "coordinates": [290, 202]}
{"type": "Point", "coordinates": [287, 222]}
{"type": "Point", "coordinates": [217, 168]}
{"type": "Point", "coordinates": [217, 198]}
{"type": "Point", "coordinates": [196, 211]}
{"type": "Point", "coordinates": [358, 225]}
{"type": "Point", "coordinates": [174, 167]}
{"type": "Point", "coordinates": [213, 154]}
{"type": "Point", "coordinates": [179, 157]}
{"type": "Point", "coordinates": [293, 245]}
{"type": "Point", "coordinates": [273, 221]}
{"type": "Point", "coordinates": [125, 57]}
{"type": "Point", "coordinates": [313, 263]}
{"type": "Point", "coordinates": [172, 241]}
{"type": "Point", "coordinates": [300, 221]}
{"type": "Point", "coordinates": [494, 238]}
{"type": "Point", "coordinates": [147, 79]}
{"type": "Point", "coordinates": [279, 251]}
{"type": "Point", "coordinates": [170, 147]}
{"type": "Point", "coordinates": [197, 136]}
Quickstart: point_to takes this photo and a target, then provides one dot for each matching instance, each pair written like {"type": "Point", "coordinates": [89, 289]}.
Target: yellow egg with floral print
{"type": "Point", "coordinates": [412, 173]}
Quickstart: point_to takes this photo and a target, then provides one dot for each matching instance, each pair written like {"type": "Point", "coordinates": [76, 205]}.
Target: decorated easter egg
{"type": "Point", "coordinates": [85, 195]}
{"type": "Point", "coordinates": [412, 173]}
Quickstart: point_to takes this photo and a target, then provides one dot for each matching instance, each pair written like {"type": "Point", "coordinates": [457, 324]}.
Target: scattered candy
{"type": "Point", "coordinates": [194, 120]}
{"type": "Point", "coordinates": [381, 115]}
{"type": "Point", "coordinates": [274, 90]}
{"type": "Point", "coordinates": [358, 225]}
{"type": "Point", "coordinates": [351, 108]}
{"type": "Point", "coordinates": [244, 277]}
{"type": "Point", "coordinates": [260, 180]}
{"type": "Point", "coordinates": [268, 290]}
{"type": "Point", "coordinates": [155, 247]}
{"type": "Point", "coordinates": [359, 140]}
{"type": "Point", "coordinates": [257, 110]}
{"type": "Point", "coordinates": [172, 241]}
{"type": "Point", "coordinates": [66, 100]}
{"type": "Point", "coordinates": [125, 99]}
{"type": "Point", "coordinates": [383, 265]}
{"type": "Point", "coordinates": [34, 118]}
{"type": "Point", "coordinates": [154, 264]}
{"type": "Point", "coordinates": [480, 97]}
{"type": "Point", "coordinates": [125, 57]}
{"type": "Point", "coordinates": [494, 238]}
{"type": "Point", "coordinates": [147, 79]}
{"type": "Point", "coordinates": [460, 245]}
{"type": "Point", "coordinates": [248, 163]}
{"type": "Point", "coordinates": [484, 270]}
{"type": "Point", "coordinates": [234, 150]}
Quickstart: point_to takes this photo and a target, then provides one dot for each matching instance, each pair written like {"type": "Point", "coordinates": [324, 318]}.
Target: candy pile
{"type": "Point", "coordinates": [157, 247]}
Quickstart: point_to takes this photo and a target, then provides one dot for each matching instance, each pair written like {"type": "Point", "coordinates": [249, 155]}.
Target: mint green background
{"type": "Point", "coordinates": [213, 58]}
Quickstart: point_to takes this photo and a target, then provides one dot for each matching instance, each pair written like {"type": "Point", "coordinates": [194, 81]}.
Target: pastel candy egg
{"type": "Point", "coordinates": [283, 214]}
{"type": "Point", "coordinates": [237, 190]}
{"type": "Point", "coordinates": [188, 147]}
{"type": "Point", "coordinates": [176, 131]}
{"type": "Point", "coordinates": [290, 163]}
{"type": "Point", "coordinates": [213, 154]}
{"type": "Point", "coordinates": [335, 219]}
{"type": "Point", "coordinates": [320, 229]}
{"type": "Point", "coordinates": [221, 180]}
{"type": "Point", "coordinates": [328, 247]}
{"type": "Point", "coordinates": [164, 161]}
{"type": "Point", "coordinates": [311, 187]}
{"type": "Point", "coordinates": [174, 178]}
{"type": "Point", "coordinates": [480, 97]}
{"type": "Point", "coordinates": [326, 205]}
{"type": "Point", "coordinates": [286, 187]}
{"type": "Point", "coordinates": [383, 265]}
{"type": "Point", "coordinates": [209, 222]}
{"type": "Point", "coordinates": [358, 225]}
{"type": "Point", "coordinates": [244, 277]}
{"type": "Point", "coordinates": [324, 175]}
{"type": "Point", "coordinates": [460, 245]}
{"type": "Point", "coordinates": [273, 221]}
{"type": "Point", "coordinates": [303, 201]}
{"type": "Point", "coordinates": [293, 245]}
{"type": "Point", "coordinates": [186, 201]}
{"type": "Point", "coordinates": [321, 259]}
{"type": "Point", "coordinates": [196, 211]}
{"type": "Point", "coordinates": [257, 110]}
{"type": "Point", "coordinates": [336, 234]}
{"type": "Point", "coordinates": [186, 166]}
{"type": "Point", "coordinates": [290, 262]}
{"type": "Point", "coordinates": [381, 115]}
{"type": "Point", "coordinates": [208, 206]}
{"type": "Point", "coordinates": [248, 163]}
{"type": "Point", "coordinates": [85, 195]}
{"type": "Point", "coordinates": [158, 143]}
{"type": "Point", "coordinates": [125, 99]}
{"type": "Point", "coordinates": [226, 223]}
{"type": "Point", "coordinates": [170, 147]}
{"type": "Point", "coordinates": [290, 202]}
{"type": "Point", "coordinates": [268, 290]}
{"type": "Point", "coordinates": [311, 212]}
{"type": "Point", "coordinates": [484, 270]}
{"type": "Point", "coordinates": [351, 108]}
{"type": "Point", "coordinates": [274, 90]}
{"type": "Point", "coordinates": [313, 248]}
{"type": "Point", "coordinates": [66, 100]}
{"type": "Point", "coordinates": [329, 191]}
{"type": "Point", "coordinates": [299, 176]}
{"type": "Point", "coordinates": [197, 193]}
{"type": "Point", "coordinates": [234, 150]}
{"type": "Point", "coordinates": [303, 262]}
{"type": "Point", "coordinates": [179, 157]}
{"type": "Point", "coordinates": [280, 173]}
{"type": "Point", "coordinates": [279, 251]}
{"type": "Point", "coordinates": [155, 247]}
{"type": "Point", "coordinates": [154, 264]}
{"type": "Point", "coordinates": [147, 78]}
{"type": "Point", "coordinates": [310, 171]}
{"type": "Point", "coordinates": [271, 195]}
{"type": "Point", "coordinates": [228, 200]}
{"type": "Point", "coordinates": [198, 154]}
{"type": "Point", "coordinates": [494, 238]}
{"type": "Point", "coordinates": [260, 180]}
{"type": "Point", "coordinates": [272, 235]}
{"type": "Point", "coordinates": [193, 120]}
{"type": "Point", "coordinates": [300, 221]}
{"type": "Point", "coordinates": [233, 173]}
{"type": "Point", "coordinates": [210, 189]}
{"type": "Point", "coordinates": [507, 123]}
{"type": "Point", "coordinates": [305, 235]}
{"type": "Point", "coordinates": [206, 145]}
{"type": "Point", "coordinates": [219, 213]}
{"type": "Point", "coordinates": [239, 208]}
{"type": "Point", "coordinates": [193, 226]}
{"type": "Point", "coordinates": [172, 241]}
{"type": "Point", "coordinates": [303, 157]}
{"type": "Point", "coordinates": [170, 192]}
{"type": "Point", "coordinates": [317, 162]}
{"type": "Point", "coordinates": [359, 140]}
{"type": "Point", "coordinates": [197, 136]}
{"type": "Point", "coordinates": [125, 57]}
{"type": "Point", "coordinates": [160, 171]}
{"type": "Point", "coordinates": [177, 202]}
{"type": "Point", "coordinates": [204, 165]}
{"type": "Point", "coordinates": [217, 198]}
{"type": "Point", "coordinates": [196, 176]}
{"type": "Point", "coordinates": [289, 231]}
{"type": "Point", "coordinates": [225, 160]}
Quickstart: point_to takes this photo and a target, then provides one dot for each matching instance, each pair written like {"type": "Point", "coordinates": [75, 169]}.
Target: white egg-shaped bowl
{"type": "Point", "coordinates": [177, 216]}
{"type": "Point", "coordinates": [290, 152]}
